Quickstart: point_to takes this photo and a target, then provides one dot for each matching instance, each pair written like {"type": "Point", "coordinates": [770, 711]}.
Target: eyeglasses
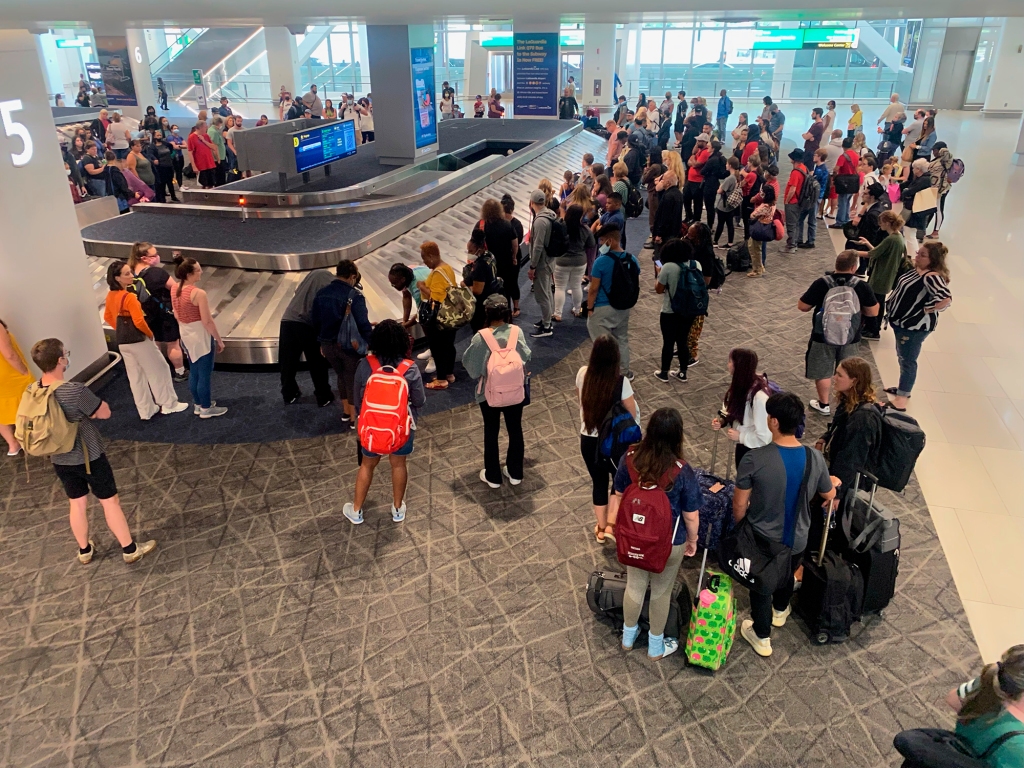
{"type": "Point", "coordinates": [67, 354]}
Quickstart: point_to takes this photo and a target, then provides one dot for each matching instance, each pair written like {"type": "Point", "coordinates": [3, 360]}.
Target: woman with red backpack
{"type": "Point", "coordinates": [388, 395]}
{"type": "Point", "coordinates": [652, 475]}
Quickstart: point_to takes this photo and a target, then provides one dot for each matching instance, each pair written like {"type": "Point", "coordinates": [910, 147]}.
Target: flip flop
{"type": "Point", "coordinates": [437, 384]}
{"type": "Point", "coordinates": [893, 391]}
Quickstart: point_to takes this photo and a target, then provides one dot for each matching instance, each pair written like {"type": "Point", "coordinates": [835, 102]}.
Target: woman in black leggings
{"type": "Point", "coordinates": [598, 384]}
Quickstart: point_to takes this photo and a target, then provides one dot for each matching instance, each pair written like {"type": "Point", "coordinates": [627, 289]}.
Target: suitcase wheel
{"type": "Point", "coordinates": [821, 638]}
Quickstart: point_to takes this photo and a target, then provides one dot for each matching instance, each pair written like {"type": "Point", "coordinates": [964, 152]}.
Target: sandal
{"type": "Point", "coordinates": [557, 318]}
{"type": "Point", "coordinates": [437, 384]}
{"type": "Point", "coordinates": [609, 534]}
{"type": "Point", "coordinates": [932, 236]}
{"type": "Point", "coordinates": [893, 391]}
{"type": "Point", "coordinates": [599, 534]}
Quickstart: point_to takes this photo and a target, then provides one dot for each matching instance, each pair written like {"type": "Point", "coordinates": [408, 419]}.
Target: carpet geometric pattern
{"type": "Point", "coordinates": [266, 630]}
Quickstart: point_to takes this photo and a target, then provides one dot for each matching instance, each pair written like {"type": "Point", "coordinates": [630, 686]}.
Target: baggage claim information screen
{"type": "Point", "coordinates": [323, 145]}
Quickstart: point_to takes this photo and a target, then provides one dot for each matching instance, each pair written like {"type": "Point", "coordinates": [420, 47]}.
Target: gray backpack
{"type": "Point", "coordinates": [839, 318]}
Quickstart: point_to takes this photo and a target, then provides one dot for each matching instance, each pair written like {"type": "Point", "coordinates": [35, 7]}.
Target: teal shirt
{"type": "Point", "coordinates": [218, 140]}
{"type": "Point", "coordinates": [982, 732]}
{"type": "Point", "coordinates": [477, 354]}
{"type": "Point", "coordinates": [419, 275]}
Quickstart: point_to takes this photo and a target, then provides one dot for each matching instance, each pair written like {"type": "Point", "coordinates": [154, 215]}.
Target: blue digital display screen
{"type": "Point", "coordinates": [424, 113]}
{"type": "Point", "coordinates": [324, 144]}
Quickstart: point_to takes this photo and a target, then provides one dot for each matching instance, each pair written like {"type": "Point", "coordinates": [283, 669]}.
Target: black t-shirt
{"type": "Point", "coordinates": [95, 162]}
{"type": "Point", "coordinates": [706, 257]}
{"type": "Point", "coordinates": [500, 235]}
{"type": "Point", "coordinates": [815, 296]}
{"type": "Point", "coordinates": [155, 278]}
{"type": "Point", "coordinates": [482, 272]}
{"type": "Point", "coordinates": [517, 227]}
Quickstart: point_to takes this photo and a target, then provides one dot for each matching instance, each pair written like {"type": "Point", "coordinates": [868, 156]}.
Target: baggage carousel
{"type": "Point", "coordinates": [256, 244]}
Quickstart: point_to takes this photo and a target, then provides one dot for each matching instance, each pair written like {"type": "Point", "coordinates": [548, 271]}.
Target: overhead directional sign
{"type": "Point", "coordinates": [805, 39]}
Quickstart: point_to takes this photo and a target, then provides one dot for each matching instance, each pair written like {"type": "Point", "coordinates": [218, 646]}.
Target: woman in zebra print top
{"type": "Point", "coordinates": [913, 311]}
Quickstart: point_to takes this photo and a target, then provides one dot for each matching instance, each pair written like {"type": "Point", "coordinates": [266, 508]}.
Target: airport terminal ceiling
{"type": "Point", "coordinates": [43, 14]}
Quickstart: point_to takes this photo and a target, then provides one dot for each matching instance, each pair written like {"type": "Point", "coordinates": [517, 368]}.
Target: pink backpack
{"type": "Point", "coordinates": [506, 377]}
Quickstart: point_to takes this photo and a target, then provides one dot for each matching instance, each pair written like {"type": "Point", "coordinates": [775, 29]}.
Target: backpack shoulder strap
{"type": "Point", "coordinates": [488, 336]}
{"type": "Point", "coordinates": [404, 366]}
{"type": "Point", "coordinates": [374, 363]}
{"type": "Point", "coordinates": [999, 742]}
{"type": "Point", "coordinates": [513, 337]}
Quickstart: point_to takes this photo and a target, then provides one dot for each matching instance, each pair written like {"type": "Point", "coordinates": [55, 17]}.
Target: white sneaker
{"type": "Point", "coordinates": [398, 514]}
{"type": "Point", "coordinates": [176, 408]}
{"type": "Point", "coordinates": [483, 476]}
{"type": "Point", "coordinates": [512, 480]}
{"type": "Point", "coordinates": [198, 408]}
{"type": "Point", "coordinates": [212, 412]}
{"type": "Point", "coordinates": [431, 366]}
{"type": "Point", "coordinates": [425, 355]}
{"type": "Point", "coordinates": [824, 410]}
{"type": "Point", "coordinates": [779, 617]}
{"type": "Point", "coordinates": [349, 511]}
{"type": "Point", "coordinates": [762, 647]}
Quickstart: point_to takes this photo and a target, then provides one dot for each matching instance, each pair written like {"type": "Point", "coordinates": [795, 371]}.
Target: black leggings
{"type": "Point", "coordinates": [600, 472]}
{"type": "Point", "coordinates": [709, 204]}
{"type": "Point", "coordinates": [726, 219]}
{"type": "Point", "coordinates": [761, 605]}
{"type": "Point", "coordinates": [675, 333]}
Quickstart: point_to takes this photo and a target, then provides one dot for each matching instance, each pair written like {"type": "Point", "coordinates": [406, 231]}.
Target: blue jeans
{"type": "Point", "coordinates": [722, 122]}
{"type": "Point", "coordinates": [807, 215]}
{"type": "Point", "coordinates": [908, 348]}
{"type": "Point", "coordinates": [121, 154]}
{"type": "Point", "coordinates": [843, 210]}
{"type": "Point", "coordinates": [199, 375]}
{"type": "Point", "coordinates": [97, 186]}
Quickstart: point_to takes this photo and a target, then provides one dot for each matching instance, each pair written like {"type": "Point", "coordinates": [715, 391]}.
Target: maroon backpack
{"type": "Point", "coordinates": [643, 529]}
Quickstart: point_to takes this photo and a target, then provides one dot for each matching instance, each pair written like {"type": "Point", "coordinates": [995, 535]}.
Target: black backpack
{"type": "Point", "coordinates": [718, 274]}
{"type": "Point", "coordinates": [634, 202]}
{"type": "Point", "coordinates": [558, 239]}
{"type": "Point", "coordinates": [625, 288]}
{"type": "Point", "coordinates": [936, 748]}
{"type": "Point", "coordinates": [737, 259]}
{"type": "Point", "coordinates": [902, 442]}
{"type": "Point", "coordinates": [809, 192]}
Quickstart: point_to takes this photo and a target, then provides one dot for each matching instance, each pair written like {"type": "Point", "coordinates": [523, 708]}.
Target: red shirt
{"type": "Point", "coordinates": [202, 155]}
{"type": "Point", "coordinates": [847, 163]}
{"type": "Point", "coordinates": [694, 174]}
{"type": "Point", "coordinates": [796, 182]}
{"type": "Point", "coordinates": [750, 149]}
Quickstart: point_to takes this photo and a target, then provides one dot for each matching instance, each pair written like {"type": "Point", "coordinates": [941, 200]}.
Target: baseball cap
{"type": "Point", "coordinates": [495, 301]}
{"type": "Point", "coordinates": [702, 137]}
{"type": "Point", "coordinates": [537, 197]}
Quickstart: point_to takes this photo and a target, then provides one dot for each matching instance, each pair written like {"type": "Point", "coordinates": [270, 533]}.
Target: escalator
{"type": "Point", "coordinates": [205, 52]}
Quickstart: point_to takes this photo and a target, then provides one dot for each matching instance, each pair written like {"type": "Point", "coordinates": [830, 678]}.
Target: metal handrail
{"type": "Point", "coordinates": [192, 34]}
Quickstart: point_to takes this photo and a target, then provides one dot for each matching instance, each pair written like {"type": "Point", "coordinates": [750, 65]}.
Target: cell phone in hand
{"type": "Point", "coordinates": [657, 264]}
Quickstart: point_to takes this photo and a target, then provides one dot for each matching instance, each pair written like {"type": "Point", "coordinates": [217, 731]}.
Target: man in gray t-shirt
{"type": "Point", "coordinates": [298, 337]}
{"type": "Point", "coordinates": [768, 493]}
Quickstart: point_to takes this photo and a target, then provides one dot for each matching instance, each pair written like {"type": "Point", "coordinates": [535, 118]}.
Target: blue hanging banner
{"type": "Point", "coordinates": [535, 74]}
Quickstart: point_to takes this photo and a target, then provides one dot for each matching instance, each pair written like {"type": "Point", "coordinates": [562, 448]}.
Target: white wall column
{"type": "Point", "coordinates": [629, 63]}
{"type": "Point", "coordinates": [31, 170]}
{"type": "Point", "coordinates": [138, 54]}
{"type": "Point", "coordinates": [475, 72]}
{"type": "Point", "coordinates": [598, 65]}
{"type": "Point", "coordinates": [1005, 96]}
{"type": "Point", "coordinates": [365, 86]}
{"type": "Point", "coordinates": [282, 61]}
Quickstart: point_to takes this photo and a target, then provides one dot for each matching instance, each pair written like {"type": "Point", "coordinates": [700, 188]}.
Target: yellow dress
{"type": "Point", "coordinates": [12, 385]}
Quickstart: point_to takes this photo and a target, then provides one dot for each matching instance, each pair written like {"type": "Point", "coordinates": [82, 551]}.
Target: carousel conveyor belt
{"type": "Point", "coordinates": [248, 304]}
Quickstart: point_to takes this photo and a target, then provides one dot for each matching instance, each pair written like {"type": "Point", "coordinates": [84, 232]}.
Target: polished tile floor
{"type": "Point", "coordinates": [969, 395]}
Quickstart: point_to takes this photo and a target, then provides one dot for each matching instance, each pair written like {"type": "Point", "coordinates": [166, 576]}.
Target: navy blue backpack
{"type": "Point", "coordinates": [619, 430]}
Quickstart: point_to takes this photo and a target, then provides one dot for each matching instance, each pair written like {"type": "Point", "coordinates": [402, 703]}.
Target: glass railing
{"type": "Point", "coordinates": [183, 41]}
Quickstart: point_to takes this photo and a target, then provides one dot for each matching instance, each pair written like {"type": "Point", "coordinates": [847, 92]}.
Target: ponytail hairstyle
{"type": "Point", "coordinates": [937, 253]}
{"type": "Point", "coordinates": [863, 390]}
{"type": "Point", "coordinates": [139, 252]}
{"type": "Point", "coordinates": [1001, 682]}
{"type": "Point", "coordinates": [183, 267]}
{"type": "Point", "coordinates": [661, 446]}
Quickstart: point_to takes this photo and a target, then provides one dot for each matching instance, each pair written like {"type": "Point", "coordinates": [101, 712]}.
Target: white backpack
{"type": "Point", "coordinates": [506, 377]}
{"type": "Point", "coordinates": [839, 318]}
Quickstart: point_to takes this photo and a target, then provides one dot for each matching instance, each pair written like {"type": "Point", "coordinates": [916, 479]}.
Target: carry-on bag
{"type": "Point", "coordinates": [606, 591]}
{"type": "Point", "coordinates": [832, 592]}
{"type": "Point", "coordinates": [937, 748]}
{"type": "Point", "coordinates": [872, 543]}
{"type": "Point", "coordinates": [713, 620]}
{"type": "Point", "coordinates": [716, 509]}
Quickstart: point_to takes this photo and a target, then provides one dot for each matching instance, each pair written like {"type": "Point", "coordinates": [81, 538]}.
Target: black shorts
{"type": "Point", "coordinates": [78, 484]}
{"type": "Point", "coordinates": [164, 327]}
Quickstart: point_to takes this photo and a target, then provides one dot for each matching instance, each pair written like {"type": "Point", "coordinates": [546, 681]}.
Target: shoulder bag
{"type": "Point", "coordinates": [127, 332]}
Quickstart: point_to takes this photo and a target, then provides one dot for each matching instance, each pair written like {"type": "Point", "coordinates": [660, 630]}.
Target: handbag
{"type": "Point", "coordinates": [457, 307]}
{"type": "Point", "coordinates": [908, 154]}
{"type": "Point", "coordinates": [753, 560]}
{"type": "Point", "coordinates": [349, 337]}
{"type": "Point", "coordinates": [127, 332]}
{"type": "Point", "coordinates": [779, 223]}
{"type": "Point", "coordinates": [762, 231]}
{"type": "Point", "coordinates": [735, 198]}
{"type": "Point", "coordinates": [926, 200]}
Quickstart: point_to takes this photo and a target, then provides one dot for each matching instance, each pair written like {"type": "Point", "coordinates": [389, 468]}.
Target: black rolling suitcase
{"type": "Point", "coordinates": [831, 594]}
{"type": "Point", "coordinates": [872, 543]}
{"type": "Point", "coordinates": [605, 593]}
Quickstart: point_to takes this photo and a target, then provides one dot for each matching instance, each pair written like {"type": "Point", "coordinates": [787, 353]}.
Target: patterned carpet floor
{"type": "Point", "coordinates": [267, 631]}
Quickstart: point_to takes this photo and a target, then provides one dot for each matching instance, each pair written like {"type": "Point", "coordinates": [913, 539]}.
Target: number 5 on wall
{"type": "Point", "coordinates": [14, 128]}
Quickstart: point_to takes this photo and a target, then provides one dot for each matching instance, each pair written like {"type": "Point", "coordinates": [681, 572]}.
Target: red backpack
{"type": "Point", "coordinates": [643, 530]}
{"type": "Point", "coordinates": [385, 421]}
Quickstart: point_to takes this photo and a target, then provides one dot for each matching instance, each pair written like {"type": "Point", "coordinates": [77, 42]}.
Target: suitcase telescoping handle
{"type": "Point", "coordinates": [700, 579]}
{"type": "Point", "coordinates": [714, 454]}
{"type": "Point", "coordinates": [874, 487]}
{"type": "Point", "coordinates": [832, 505]}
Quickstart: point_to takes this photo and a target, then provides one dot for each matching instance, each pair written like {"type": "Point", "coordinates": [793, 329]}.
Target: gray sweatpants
{"type": "Point", "coordinates": [614, 322]}
{"type": "Point", "coordinates": [661, 592]}
{"type": "Point", "coordinates": [793, 234]}
{"type": "Point", "coordinates": [542, 282]}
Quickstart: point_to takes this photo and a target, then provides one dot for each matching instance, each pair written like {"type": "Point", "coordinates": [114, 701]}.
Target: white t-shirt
{"type": "Point", "coordinates": [627, 392]}
{"type": "Point", "coordinates": [830, 121]}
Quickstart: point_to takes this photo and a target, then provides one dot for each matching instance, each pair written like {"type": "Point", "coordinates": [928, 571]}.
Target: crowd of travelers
{"type": "Point", "coordinates": [573, 245]}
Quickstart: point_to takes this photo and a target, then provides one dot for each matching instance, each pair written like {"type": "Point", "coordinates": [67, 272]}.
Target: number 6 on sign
{"type": "Point", "coordinates": [14, 128]}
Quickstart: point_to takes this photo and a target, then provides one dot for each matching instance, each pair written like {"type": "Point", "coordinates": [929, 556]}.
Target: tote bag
{"type": "Point", "coordinates": [127, 332]}
{"type": "Point", "coordinates": [926, 200]}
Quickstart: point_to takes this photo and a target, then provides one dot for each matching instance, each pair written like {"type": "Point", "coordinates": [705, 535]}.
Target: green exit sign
{"type": "Point", "coordinates": [197, 76]}
{"type": "Point", "coordinates": [74, 42]}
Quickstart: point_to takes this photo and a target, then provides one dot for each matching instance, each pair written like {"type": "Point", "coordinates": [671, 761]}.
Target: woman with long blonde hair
{"type": "Point", "coordinates": [673, 162]}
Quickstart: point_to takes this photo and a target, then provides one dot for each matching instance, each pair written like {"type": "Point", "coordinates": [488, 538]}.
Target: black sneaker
{"type": "Point", "coordinates": [662, 377]}
{"type": "Point", "coordinates": [539, 324]}
{"type": "Point", "coordinates": [692, 362]}
{"type": "Point", "coordinates": [869, 335]}
{"type": "Point", "coordinates": [805, 245]}
{"type": "Point", "coordinates": [180, 377]}
{"type": "Point", "coordinates": [325, 403]}
{"type": "Point", "coordinates": [543, 332]}
{"type": "Point", "coordinates": [291, 400]}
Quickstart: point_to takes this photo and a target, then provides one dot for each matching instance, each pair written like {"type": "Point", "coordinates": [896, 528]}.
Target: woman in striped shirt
{"type": "Point", "coordinates": [913, 312]}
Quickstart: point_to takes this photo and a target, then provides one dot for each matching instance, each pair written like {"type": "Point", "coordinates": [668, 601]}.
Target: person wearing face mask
{"type": "Point", "coordinates": [155, 295]}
